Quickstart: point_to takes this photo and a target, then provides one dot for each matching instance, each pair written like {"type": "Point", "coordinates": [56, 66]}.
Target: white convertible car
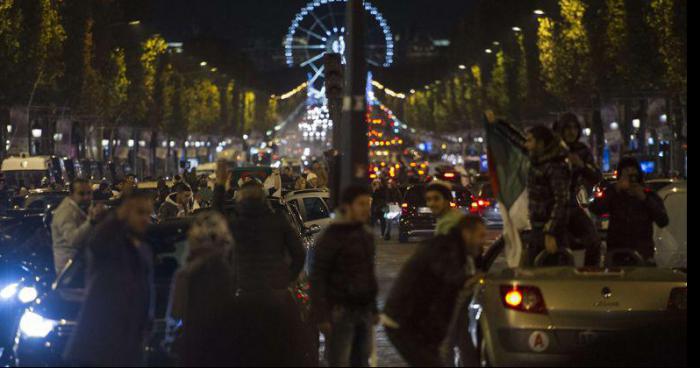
{"type": "Point", "coordinates": [562, 315]}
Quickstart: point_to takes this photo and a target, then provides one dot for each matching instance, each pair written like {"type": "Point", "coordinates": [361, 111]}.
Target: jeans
{"type": "Point", "coordinates": [350, 343]}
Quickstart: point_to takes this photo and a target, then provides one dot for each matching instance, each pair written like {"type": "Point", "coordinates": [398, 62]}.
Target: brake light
{"type": "Point", "coordinates": [599, 194]}
{"type": "Point", "coordinates": [404, 209]}
{"type": "Point", "coordinates": [526, 299]}
{"type": "Point", "coordinates": [678, 300]}
{"type": "Point", "coordinates": [453, 205]}
{"type": "Point", "coordinates": [449, 175]}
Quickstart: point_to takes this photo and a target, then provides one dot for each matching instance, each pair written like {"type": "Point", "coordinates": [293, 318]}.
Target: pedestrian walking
{"type": "Point", "coordinates": [585, 175]}
{"type": "Point", "coordinates": [202, 296]}
{"type": "Point", "coordinates": [633, 210]}
{"type": "Point", "coordinates": [549, 187]}
{"type": "Point", "coordinates": [72, 222]}
{"type": "Point", "coordinates": [344, 283]}
{"type": "Point", "coordinates": [421, 315]}
{"type": "Point", "coordinates": [379, 205]}
{"type": "Point", "coordinates": [113, 323]}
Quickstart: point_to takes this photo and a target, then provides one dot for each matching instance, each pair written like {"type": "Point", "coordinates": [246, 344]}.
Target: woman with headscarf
{"type": "Point", "coordinates": [202, 298]}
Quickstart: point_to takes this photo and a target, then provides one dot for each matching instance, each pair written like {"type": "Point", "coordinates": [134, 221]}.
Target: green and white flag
{"type": "Point", "coordinates": [508, 168]}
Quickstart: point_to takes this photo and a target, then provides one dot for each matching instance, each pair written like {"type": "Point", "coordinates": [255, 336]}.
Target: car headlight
{"type": "Point", "coordinates": [8, 292]}
{"type": "Point", "coordinates": [34, 325]}
{"type": "Point", "coordinates": [27, 294]}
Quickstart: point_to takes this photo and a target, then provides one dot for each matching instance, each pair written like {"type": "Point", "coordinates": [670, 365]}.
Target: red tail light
{"type": "Point", "coordinates": [449, 175]}
{"type": "Point", "coordinates": [678, 301]}
{"type": "Point", "coordinates": [526, 299]}
{"type": "Point", "coordinates": [404, 209]}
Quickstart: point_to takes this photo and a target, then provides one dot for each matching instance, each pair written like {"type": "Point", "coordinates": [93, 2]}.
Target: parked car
{"type": "Point", "coordinates": [672, 241]}
{"type": "Point", "coordinates": [312, 205]}
{"type": "Point", "coordinates": [560, 315]}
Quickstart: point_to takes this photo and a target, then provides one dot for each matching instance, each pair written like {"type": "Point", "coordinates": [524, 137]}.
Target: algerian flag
{"type": "Point", "coordinates": [508, 168]}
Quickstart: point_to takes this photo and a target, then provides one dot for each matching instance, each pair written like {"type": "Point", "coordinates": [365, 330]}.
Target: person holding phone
{"type": "Point", "coordinates": [633, 209]}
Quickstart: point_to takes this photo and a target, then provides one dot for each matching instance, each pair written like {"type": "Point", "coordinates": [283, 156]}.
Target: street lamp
{"type": "Point", "coordinates": [517, 29]}
{"type": "Point", "coordinates": [134, 22]}
{"type": "Point", "coordinates": [36, 132]}
{"type": "Point", "coordinates": [203, 64]}
{"type": "Point", "coordinates": [539, 12]}
{"type": "Point", "coordinates": [130, 143]}
{"type": "Point", "coordinates": [489, 51]}
{"type": "Point", "coordinates": [462, 67]}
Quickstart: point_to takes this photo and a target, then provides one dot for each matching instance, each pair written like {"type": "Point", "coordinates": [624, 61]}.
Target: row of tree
{"type": "Point", "coordinates": [87, 56]}
{"type": "Point", "coordinates": [557, 60]}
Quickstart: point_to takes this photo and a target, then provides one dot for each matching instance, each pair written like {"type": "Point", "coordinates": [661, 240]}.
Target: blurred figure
{"type": "Point", "coordinates": [202, 295]}
{"type": "Point", "coordinates": [322, 175]}
{"type": "Point", "coordinates": [585, 175]}
{"type": "Point", "coordinates": [72, 222]}
{"type": "Point", "coordinates": [176, 205]}
{"type": "Point", "coordinates": [103, 193]}
{"type": "Point", "coordinates": [393, 196]}
{"type": "Point", "coordinates": [549, 186]}
{"type": "Point", "coordinates": [311, 180]}
{"type": "Point", "coordinates": [269, 258]}
{"type": "Point", "coordinates": [430, 292]}
{"type": "Point", "coordinates": [163, 192]}
{"type": "Point", "coordinates": [633, 210]}
{"type": "Point", "coordinates": [438, 197]}
{"type": "Point", "coordinates": [300, 183]}
{"type": "Point", "coordinates": [115, 317]}
{"type": "Point", "coordinates": [287, 178]}
{"type": "Point", "coordinates": [205, 192]}
{"type": "Point", "coordinates": [379, 205]}
{"type": "Point", "coordinates": [344, 283]}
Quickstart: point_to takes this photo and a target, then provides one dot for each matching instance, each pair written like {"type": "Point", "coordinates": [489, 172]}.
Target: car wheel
{"type": "Point", "coordinates": [403, 238]}
{"type": "Point", "coordinates": [484, 360]}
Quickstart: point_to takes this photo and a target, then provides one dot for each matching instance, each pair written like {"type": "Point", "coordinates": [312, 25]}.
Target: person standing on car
{"type": "Point", "coordinates": [269, 258]}
{"type": "Point", "coordinates": [549, 188]}
{"type": "Point", "coordinates": [176, 205]}
{"type": "Point", "coordinates": [420, 311]}
{"type": "Point", "coordinates": [633, 210]}
{"type": "Point", "coordinates": [585, 175]}
{"type": "Point", "coordinates": [72, 222]}
{"type": "Point", "coordinates": [438, 197]}
{"type": "Point", "coordinates": [116, 314]}
{"type": "Point", "coordinates": [344, 284]}
{"type": "Point", "coordinates": [202, 295]}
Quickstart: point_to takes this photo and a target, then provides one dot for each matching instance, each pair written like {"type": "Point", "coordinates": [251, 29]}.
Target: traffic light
{"type": "Point", "coordinates": [334, 74]}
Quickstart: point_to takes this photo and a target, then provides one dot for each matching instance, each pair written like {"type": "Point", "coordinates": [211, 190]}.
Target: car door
{"type": "Point", "coordinates": [314, 211]}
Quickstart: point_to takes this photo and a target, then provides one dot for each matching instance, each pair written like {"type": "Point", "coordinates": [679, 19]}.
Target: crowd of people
{"type": "Point", "coordinates": [232, 297]}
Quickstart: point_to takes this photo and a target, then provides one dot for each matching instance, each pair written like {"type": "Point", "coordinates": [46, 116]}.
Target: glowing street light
{"type": "Point", "coordinates": [517, 29]}
{"type": "Point", "coordinates": [489, 51]}
{"type": "Point", "coordinates": [203, 63]}
{"type": "Point", "coordinates": [134, 22]}
{"type": "Point", "coordinates": [462, 67]}
{"type": "Point", "coordinates": [539, 12]}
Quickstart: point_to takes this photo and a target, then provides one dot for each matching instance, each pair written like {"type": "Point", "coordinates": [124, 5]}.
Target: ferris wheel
{"type": "Point", "coordinates": [319, 28]}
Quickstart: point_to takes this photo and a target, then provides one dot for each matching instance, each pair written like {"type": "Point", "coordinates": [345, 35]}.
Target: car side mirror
{"type": "Point", "coordinates": [312, 230]}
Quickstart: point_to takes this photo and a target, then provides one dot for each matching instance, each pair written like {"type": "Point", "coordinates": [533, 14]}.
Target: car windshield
{"type": "Point", "coordinates": [28, 178]}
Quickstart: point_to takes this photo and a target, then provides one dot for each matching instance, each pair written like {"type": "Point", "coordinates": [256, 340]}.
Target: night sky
{"type": "Point", "coordinates": [239, 20]}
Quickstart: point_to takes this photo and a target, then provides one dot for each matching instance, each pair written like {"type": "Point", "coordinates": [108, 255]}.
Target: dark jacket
{"type": "Point", "coordinates": [583, 177]}
{"type": "Point", "coordinates": [631, 219]}
{"type": "Point", "coordinates": [264, 240]}
{"type": "Point", "coordinates": [549, 189]}
{"type": "Point", "coordinates": [424, 296]}
{"type": "Point", "coordinates": [202, 298]}
{"type": "Point", "coordinates": [343, 271]}
{"type": "Point", "coordinates": [169, 209]}
{"type": "Point", "coordinates": [116, 314]}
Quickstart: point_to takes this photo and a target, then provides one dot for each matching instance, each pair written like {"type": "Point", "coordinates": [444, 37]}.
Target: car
{"type": "Point", "coordinates": [672, 241]}
{"type": "Point", "coordinates": [33, 171]}
{"type": "Point", "coordinates": [558, 315]}
{"type": "Point", "coordinates": [417, 220]}
{"type": "Point", "coordinates": [486, 205]}
{"type": "Point", "coordinates": [312, 205]}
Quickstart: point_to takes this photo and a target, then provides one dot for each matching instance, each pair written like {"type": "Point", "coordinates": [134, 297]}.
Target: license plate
{"type": "Point", "coordinates": [424, 210]}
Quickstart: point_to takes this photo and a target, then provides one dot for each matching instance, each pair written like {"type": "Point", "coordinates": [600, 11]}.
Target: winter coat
{"type": "Point", "coordinates": [264, 239]}
{"type": "Point", "coordinates": [631, 219]}
{"type": "Point", "coordinates": [116, 315]}
{"type": "Point", "coordinates": [170, 209]}
{"type": "Point", "coordinates": [202, 298]}
{"type": "Point", "coordinates": [549, 189]}
{"type": "Point", "coordinates": [70, 228]}
{"type": "Point", "coordinates": [424, 296]}
{"type": "Point", "coordinates": [343, 272]}
{"type": "Point", "coordinates": [448, 221]}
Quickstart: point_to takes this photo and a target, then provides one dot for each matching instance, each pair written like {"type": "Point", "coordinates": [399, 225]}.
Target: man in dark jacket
{"type": "Point", "coordinates": [633, 210]}
{"type": "Point", "coordinates": [420, 310]}
{"type": "Point", "coordinates": [585, 175]}
{"type": "Point", "coordinates": [269, 326]}
{"type": "Point", "coordinates": [115, 317]}
{"type": "Point", "coordinates": [549, 187]}
{"type": "Point", "coordinates": [177, 204]}
{"type": "Point", "coordinates": [344, 284]}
